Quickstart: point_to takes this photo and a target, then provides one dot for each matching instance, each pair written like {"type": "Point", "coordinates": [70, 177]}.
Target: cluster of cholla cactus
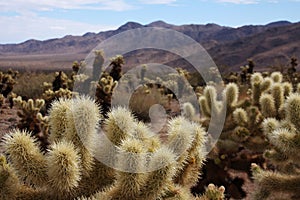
{"type": "Point", "coordinates": [104, 91]}
{"type": "Point", "coordinates": [242, 140]}
{"type": "Point", "coordinates": [229, 143]}
{"type": "Point", "coordinates": [62, 85]}
{"type": "Point", "coordinates": [31, 118]}
{"type": "Point", "coordinates": [131, 162]}
{"type": "Point", "coordinates": [7, 82]}
{"type": "Point", "coordinates": [267, 96]}
{"type": "Point", "coordinates": [284, 135]}
{"type": "Point", "coordinates": [244, 117]}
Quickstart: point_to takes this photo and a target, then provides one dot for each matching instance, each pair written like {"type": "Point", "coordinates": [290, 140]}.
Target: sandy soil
{"type": "Point", "coordinates": [8, 121]}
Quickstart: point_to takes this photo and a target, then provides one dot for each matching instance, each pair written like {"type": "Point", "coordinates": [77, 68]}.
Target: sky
{"type": "Point", "coordinates": [21, 20]}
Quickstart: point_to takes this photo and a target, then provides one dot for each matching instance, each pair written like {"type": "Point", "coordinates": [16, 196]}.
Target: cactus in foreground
{"type": "Point", "coordinates": [137, 166]}
{"type": "Point", "coordinates": [284, 136]}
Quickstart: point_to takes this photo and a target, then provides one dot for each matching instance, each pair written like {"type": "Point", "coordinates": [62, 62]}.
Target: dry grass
{"type": "Point", "coordinates": [142, 100]}
{"type": "Point", "coordinates": [30, 85]}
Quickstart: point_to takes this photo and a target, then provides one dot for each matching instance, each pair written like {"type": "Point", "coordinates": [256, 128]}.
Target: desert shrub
{"type": "Point", "coordinates": [30, 85]}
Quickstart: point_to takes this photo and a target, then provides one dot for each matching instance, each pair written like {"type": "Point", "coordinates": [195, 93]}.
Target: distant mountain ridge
{"type": "Point", "coordinates": [265, 44]}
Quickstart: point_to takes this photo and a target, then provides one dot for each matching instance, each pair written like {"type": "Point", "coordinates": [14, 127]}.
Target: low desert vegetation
{"type": "Point", "coordinates": [52, 152]}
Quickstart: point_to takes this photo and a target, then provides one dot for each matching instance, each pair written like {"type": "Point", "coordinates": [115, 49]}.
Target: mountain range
{"type": "Point", "coordinates": [267, 45]}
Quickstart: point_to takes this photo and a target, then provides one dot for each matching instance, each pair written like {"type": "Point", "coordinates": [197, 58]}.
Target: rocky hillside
{"type": "Point", "coordinates": [271, 44]}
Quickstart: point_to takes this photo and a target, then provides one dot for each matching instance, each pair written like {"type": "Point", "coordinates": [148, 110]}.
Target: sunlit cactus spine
{"type": "Point", "coordinates": [278, 94]}
{"type": "Point", "coordinates": [8, 180]}
{"type": "Point", "coordinates": [63, 166]}
{"type": "Point", "coordinates": [26, 158]}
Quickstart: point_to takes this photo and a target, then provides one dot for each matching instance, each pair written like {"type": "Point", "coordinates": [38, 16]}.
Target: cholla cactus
{"type": "Point", "coordinates": [213, 193]}
{"type": "Point", "coordinates": [7, 82]}
{"type": "Point", "coordinates": [1, 100]}
{"type": "Point", "coordinates": [116, 63]}
{"type": "Point", "coordinates": [49, 95]}
{"type": "Point", "coordinates": [212, 107]}
{"type": "Point", "coordinates": [31, 118]}
{"type": "Point", "coordinates": [104, 91]}
{"type": "Point", "coordinates": [135, 163]}
{"type": "Point", "coordinates": [258, 86]}
{"type": "Point", "coordinates": [284, 135]}
{"type": "Point", "coordinates": [189, 111]}
{"type": "Point", "coordinates": [98, 64]}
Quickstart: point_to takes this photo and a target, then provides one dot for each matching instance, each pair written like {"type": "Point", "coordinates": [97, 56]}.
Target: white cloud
{"type": "Point", "coordinates": [168, 2]}
{"type": "Point", "coordinates": [19, 28]}
{"type": "Point", "coordinates": [250, 1]}
{"type": "Point", "coordinates": [42, 5]}
{"type": "Point", "coordinates": [239, 1]}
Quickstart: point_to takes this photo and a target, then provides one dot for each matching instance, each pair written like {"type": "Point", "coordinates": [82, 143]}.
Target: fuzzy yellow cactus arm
{"type": "Point", "coordinates": [9, 183]}
{"type": "Point", "coordinates": [240, 117]}
{"type": "Point", "coordinates": [292, 110]}
{"type": "Point", "coordinates": [256, 80]}
{"type": "Point", "coordinates": [82, 123]}
{"type": "Point", "coordinates": [58, 119]}
{"type": "Point", "coordinates": [268, 182]}
{"type": "Point", "coordinates": [180, 138]}
{"type": "Point", "coordinates": [205, 109]}
{"type": "Point", "coordinates": [208, 103]}
{"type": "Point", "coordinates": [278, 94]}
{"type": "Point", "coordinates": [189, 111]}
{"type": "Point", "coordinates": [162, 169]}
{"type": "Point", "coordinates": [131, 177]}
{"type": "Point", "coordinates": [287, 89]}
{"type": "Point", "coordinates": [230, 96]}
{"type": "Point", "coordinates": [26, 157]}
{"type": "Point", "coordinates": [213, 192]}
{"type": "Point", "coordinates": [11, 188]}
{"type": "Point", "coordinates": [277, 77]}
{"type": "Point", "coordinates": [190, 173]}
{"type": "Point", "coordinates": [119, 125]}
{"type": "Point", "coordinates": [64, 168]}
{"type": "Point", "coordinates": [267, 104]}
